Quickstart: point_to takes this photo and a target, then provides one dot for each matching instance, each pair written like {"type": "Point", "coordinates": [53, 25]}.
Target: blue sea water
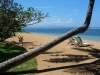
{"type": "Point", "coordinates": [90, 34]}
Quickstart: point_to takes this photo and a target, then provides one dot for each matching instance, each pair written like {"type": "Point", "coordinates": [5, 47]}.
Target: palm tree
{"type": "Point", "coordinates": [4, 66]}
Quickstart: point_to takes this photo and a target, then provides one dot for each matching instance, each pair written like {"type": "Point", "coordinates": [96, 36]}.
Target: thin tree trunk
{"type": "Point", "coordinates": [4, 66]}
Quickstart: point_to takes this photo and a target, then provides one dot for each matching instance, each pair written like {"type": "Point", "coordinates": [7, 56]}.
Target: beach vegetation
{"type": "Point", "coordinates": [13, 18]}
{"type": "Point", "coordinates": [20, 38]}
{"type": "Point", "coordinates": [9, 51]}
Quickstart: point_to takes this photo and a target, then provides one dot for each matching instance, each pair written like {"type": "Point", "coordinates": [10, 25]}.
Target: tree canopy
{"type": "Point", "coordinates": [13, 17]}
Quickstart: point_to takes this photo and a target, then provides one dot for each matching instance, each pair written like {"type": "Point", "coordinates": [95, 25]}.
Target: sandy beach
{"type": "Point", "coordinates": [60, 59]}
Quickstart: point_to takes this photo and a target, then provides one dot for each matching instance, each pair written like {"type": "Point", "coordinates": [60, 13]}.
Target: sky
{"type": "Point", "coordinates": [63, 13]}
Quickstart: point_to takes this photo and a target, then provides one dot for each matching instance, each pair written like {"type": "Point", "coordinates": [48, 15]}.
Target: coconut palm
{"type": "Point", "coordinates": [4, 66]}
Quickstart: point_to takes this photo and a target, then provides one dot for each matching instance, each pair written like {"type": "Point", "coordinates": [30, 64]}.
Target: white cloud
{"type": "Point", "coordinates": [52, 18]}
{"type": "Point", "coordinates": [70, 21]}
{"type": "Point", "coordinates": [75, 10]}
{"type": "Point", "coordinates": [56, 21]}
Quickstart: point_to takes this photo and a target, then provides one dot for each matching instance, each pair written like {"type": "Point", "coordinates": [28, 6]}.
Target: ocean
{"type": "Point", "coordinates": [90, 34]}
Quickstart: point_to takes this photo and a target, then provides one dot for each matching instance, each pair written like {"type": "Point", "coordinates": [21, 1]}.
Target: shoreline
{"type": "Point", "coordinates": [51, 37]}
{"type": "Point", "coordinates": [88, 35]}
{"type": "Point", "coordinates": [62, 54]}
{"type": "Point", "coordinates": [60, 35]}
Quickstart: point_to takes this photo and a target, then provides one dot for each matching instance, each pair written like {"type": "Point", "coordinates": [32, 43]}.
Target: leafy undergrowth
{"type": "Point", "coordinates": [9, 51]}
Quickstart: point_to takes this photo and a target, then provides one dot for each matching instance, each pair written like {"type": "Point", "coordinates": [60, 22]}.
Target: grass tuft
{"type": "Point", "coordinates": [10, 51]}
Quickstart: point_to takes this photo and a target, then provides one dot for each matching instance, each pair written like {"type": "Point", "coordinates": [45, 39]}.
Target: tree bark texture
{"type": "Point", "coordinates": [4, 66]}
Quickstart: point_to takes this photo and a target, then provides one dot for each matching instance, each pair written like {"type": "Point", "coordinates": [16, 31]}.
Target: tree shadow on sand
{"type": "Point", "coordinates": [92, 68]}
{"type": "Point", "coordinates": [56, 52]}
{"type": "Point", "coordinates": [8, 51]}
{"type": "Point", "coordinates": [92, 51]}
{"type": "Point", "coordinates": [87, 68]}
{"type": "Point", "coordinates": [22, 44]}
{"type": "Point", "coordinates": [68, 58]}
{"type": "Point", "coordinates": [12, 49]}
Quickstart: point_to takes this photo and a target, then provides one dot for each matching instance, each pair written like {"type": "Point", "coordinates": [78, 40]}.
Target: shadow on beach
{"type": "Point", "coordinates": [69, 58]}
{"type": "Point", "coordinates": [88, 68]}
{"type": "Point", "coordinates": [25, 45]}
{"type": "Point", "coordinates": [56, 52]}
{"type": "Point", "coordinates": [92, 51]}
{"type": "Point", "coordinates": [9, 50]}
{"type": "Point", "coordinates": [92, 68]}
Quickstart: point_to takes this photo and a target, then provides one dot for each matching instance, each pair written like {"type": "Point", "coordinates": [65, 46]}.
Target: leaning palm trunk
{"type": "Point", "coordinates": [4, 66]}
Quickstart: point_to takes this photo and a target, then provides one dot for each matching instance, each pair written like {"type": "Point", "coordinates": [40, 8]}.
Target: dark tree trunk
{"type": "Point", "coordinates": [35, 52]}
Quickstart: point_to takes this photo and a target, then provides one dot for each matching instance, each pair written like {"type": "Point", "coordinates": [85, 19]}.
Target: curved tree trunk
{"type": "Point", "coordinates": [35, 52]}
